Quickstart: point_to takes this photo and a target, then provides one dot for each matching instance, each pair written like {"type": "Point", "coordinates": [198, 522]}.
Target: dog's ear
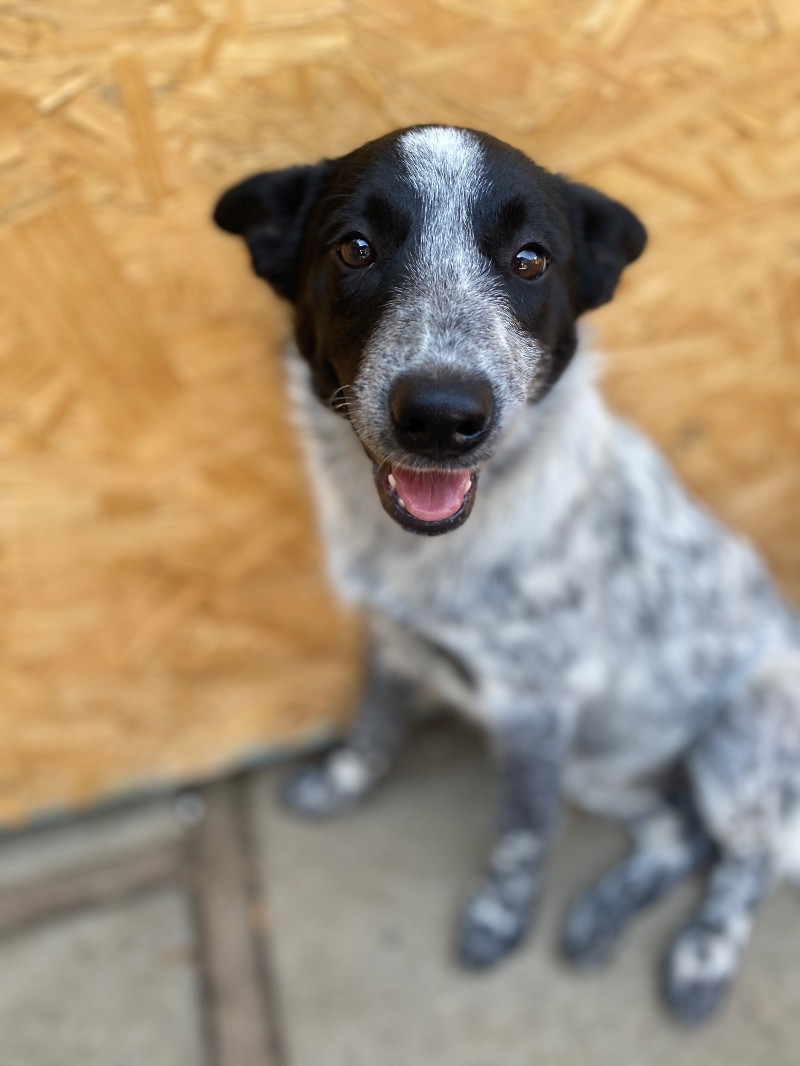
{"type": "Point", "coordinates": [271, 211]}
{"type": "Point", "coordinates": [608, 237]}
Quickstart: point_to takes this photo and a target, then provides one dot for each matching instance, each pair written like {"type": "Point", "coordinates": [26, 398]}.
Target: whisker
{"type": "Point", "coordinates": [338, 400]}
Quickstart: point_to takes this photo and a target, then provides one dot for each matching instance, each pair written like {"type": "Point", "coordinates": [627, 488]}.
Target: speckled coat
{"type": "Point", "coordinates": [619, 646]}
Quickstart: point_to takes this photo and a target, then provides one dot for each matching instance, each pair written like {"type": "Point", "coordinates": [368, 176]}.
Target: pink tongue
{"type": "Point", "coordinates": [429, 495]}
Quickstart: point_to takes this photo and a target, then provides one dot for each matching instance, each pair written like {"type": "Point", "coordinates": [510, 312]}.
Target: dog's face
{"type": "Point", "coordinates": [437, 274]}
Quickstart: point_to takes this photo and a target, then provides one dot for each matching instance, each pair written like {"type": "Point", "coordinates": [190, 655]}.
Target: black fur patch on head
{"type": "Point", "coordinates": [338, 308]}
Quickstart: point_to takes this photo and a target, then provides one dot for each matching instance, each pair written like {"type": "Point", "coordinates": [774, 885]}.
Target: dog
{"type": "Point", "coordinates": [520, 551]}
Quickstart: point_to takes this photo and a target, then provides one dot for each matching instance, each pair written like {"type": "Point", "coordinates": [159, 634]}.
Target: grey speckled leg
{"type": "Point", "coordinates": [669, 845]}
{"type": "Point", "coordinates": [338, 780]}
{"type": "Point", "coordinates": [704, 958]}
{"type": "Point", "coordinates": [499, 912]}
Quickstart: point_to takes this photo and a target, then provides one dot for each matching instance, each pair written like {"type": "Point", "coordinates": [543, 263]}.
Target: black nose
{"type": "Point", "coordinates": [441, 416]}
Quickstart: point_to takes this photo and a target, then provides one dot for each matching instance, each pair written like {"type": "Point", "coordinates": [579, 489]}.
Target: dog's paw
{"type": "Point", "coordinates": [489, 928]}
{"type": "Point", "coordinates": [698, 973]}
{"type": "Point", "coordinates": [310, 792]}
{"type": "Point", "coordinates": [328, 787]}
{"type": "Point", "coordinates": [592, 931]}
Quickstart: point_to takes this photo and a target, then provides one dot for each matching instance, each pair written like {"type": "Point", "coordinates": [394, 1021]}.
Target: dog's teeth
{"type": "Point", "coordinates": [392, 481]}
{"type": "Point", "coordinates": [402, 503]}
{"type": "Point", "coordinates": [469, 485]}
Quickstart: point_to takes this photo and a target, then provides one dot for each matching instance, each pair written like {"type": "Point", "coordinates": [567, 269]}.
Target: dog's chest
{"type": "Point", "coordinates": [461, 592]}
{"type": "Point", "coordinates": [491, 631]}
{"type": "Point", "coordinates": [483, 618]}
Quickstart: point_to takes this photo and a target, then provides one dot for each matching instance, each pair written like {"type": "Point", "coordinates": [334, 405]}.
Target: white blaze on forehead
{"type": "Point", "coordinates": [445, 168]}
{"type": "Point", "coordinates": [450, 311]}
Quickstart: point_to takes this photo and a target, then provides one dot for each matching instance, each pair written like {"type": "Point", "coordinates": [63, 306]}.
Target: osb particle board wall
{"type": "Point", "coordinates": [163, 607]}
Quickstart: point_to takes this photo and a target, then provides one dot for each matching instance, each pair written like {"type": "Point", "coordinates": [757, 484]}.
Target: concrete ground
{"type": "Point", "coordinates": [211, 929]}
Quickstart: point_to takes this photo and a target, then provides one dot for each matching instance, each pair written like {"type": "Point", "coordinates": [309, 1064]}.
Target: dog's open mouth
{"type": "Point", "coordinates": [426, 501]}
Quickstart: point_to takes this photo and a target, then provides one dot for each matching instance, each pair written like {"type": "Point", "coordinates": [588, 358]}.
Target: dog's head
{"type": "Point", "coordinates": [437, 274]}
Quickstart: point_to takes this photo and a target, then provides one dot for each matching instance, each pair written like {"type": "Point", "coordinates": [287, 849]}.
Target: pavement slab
{"type": "Point", "coordinates": [131, 935]}
{"type": "Point", "coordinates": [362, 916]}
{"type": "Point", "coordinates": [108, 987]}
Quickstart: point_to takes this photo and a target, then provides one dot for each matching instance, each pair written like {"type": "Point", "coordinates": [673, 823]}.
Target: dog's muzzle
{"type": "Point", "coordinates": [439, 418]}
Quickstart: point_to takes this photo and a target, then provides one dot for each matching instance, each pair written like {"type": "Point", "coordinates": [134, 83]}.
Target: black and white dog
{"type": "Point", "coordinates": [619, 647]}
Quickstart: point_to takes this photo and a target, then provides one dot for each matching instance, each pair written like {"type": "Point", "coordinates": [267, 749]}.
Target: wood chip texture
{"type": "Point", "coordinates": [164, 611]}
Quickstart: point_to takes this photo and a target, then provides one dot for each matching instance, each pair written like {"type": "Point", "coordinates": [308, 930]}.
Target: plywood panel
{"type": "Point", "coordinates": [164, 611]}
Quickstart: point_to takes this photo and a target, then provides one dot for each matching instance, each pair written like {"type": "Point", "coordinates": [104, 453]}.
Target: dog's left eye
{"type": "Point", "coordinates": [530, 262]}
{"type": "Point", "coordinates": [355, 251]}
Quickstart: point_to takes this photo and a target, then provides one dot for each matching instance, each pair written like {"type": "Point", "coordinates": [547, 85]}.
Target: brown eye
{"type": "Point", "coordinates": [530, 262]}
{"type": "Point", "coordinates": [356, 252]}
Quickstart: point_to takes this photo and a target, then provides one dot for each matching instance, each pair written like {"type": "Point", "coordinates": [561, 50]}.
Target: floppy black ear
{"type": "Point", "coordinates": [608, 236]}
{"type": "Point", "coordinates": [271, 211]}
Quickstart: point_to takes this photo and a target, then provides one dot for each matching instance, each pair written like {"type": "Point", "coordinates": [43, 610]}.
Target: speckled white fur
{"type": "Point", "coordinates": [628, 720]}
{"type": "Point", "coordinates": [601, 626]}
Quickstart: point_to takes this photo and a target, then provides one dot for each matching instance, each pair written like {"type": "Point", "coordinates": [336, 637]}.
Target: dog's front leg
{"type": "Point", "coordinates": [528, 753]}
{"type": "Point", "coordinates": [340, 778]}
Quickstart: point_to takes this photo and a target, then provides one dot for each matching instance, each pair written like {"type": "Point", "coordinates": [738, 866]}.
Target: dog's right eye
{"type": "Point", "coordinates": [356, 252]}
